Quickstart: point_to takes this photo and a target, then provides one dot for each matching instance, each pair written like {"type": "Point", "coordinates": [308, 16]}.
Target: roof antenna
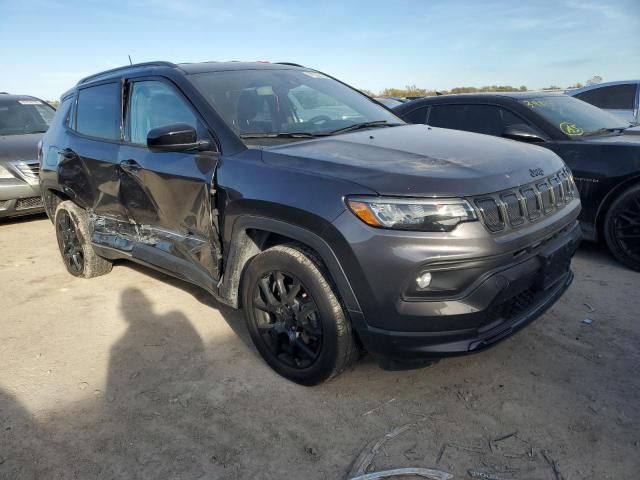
{"type": "Point", "coordinates": [130, 62]}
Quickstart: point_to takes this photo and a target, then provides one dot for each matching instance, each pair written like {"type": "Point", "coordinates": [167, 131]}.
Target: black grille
{"type": "Point", "coordinates": [511, 308]}
{"type": "Point", "coordinates": [533, 205]}
{"type": "Point", "coordinates": [491, 214]}
{"type": "Point", "coordinates": [514, 209]}
{"type": "Point", "coordinates": [3, 204]}
{"type": "Point", "coordinates": [547, 197]}
{"type": "Point", "coordinates": [30, 202]}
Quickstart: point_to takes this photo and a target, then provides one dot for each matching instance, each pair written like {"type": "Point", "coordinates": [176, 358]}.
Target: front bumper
{"type": "Point", "coordinates": [506, 283]}
{"type": "Point", "coordinates": [19, 198]}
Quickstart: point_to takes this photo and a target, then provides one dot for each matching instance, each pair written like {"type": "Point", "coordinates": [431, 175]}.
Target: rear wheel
{"type": "Point", "coordinates": [294, 317]}
{"type": "Point", "coordinates": [72, 232]}
{"type": "Point", "coordinates": [622, 228]}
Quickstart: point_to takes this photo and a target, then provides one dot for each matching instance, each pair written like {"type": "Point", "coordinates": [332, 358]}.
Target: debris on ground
{"type": "Point", "coordinates": [591, 309]}
{"type": "Point", "coordinates": [553, 464]}
{"type": "Point", "coordinates": [482, 475]}
{"type": "Point", "coordinates": [587, 321]}
{"type": "Point", "coordinates": [413, 471]}
{"type": "Point", "coordinates": [373, 447]}
{"type": "Point", "coordinates": [378, 407]}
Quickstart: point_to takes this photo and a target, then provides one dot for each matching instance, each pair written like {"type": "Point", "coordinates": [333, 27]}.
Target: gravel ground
{"type": "Point", "coordinates": [137, 375]}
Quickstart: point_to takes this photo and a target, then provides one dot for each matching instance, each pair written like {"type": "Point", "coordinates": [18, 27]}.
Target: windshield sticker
{"type": "Point", "coordinates": [29, 102]}
{"type": "Point", "coordinates": [535, 103]}
{"type": "Point", "coordinates": [314, 75]}
{"type": "Point", "coordinates": [571, 129]}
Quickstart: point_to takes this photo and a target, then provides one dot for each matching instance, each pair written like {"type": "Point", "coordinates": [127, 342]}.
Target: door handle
{"type": "Point", "coordinates": [130, 165]}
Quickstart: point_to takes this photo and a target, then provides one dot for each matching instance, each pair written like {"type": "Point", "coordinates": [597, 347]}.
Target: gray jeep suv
{"type": "Point", "coordinates": [337, 227]}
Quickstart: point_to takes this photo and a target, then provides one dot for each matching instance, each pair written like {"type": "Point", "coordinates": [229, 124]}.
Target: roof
{"type": "Point", "coordinates": [10, 97]}
{"type": "Point", "coordinates": [190, 68]}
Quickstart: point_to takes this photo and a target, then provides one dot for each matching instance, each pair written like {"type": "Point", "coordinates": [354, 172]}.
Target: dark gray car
{"type": "Point", "coordinates": [23, 121]}
{"type": "Point", "coordinates": [336, 232]}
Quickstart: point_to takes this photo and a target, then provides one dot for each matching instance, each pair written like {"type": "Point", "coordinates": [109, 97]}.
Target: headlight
{"type": "Point", "coordinates": [426, 215]}
{"type": "Point", "coordinates": [4, 173]}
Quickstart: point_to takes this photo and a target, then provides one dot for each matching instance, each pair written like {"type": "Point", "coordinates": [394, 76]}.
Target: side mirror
{"type": "Point", "coordinates": [523, 133]}
{"type": "Point", "coordinates": [178, 137]}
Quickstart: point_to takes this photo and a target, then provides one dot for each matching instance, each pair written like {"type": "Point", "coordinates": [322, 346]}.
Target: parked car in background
{"type": "Point", "coordinates": [23, 121]}
{"type": "Point", "coordinates": [604, 160]}
{"type": "Point", "coordinates": [334, 235]}
{"type": "Point", "coordinates": [388, 102]}
{"type": "Point", "coordinates": [619, 98]}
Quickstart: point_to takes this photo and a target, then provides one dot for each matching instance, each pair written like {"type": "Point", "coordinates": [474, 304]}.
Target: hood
{"type": "Point", "coordinates": [417, 160]}
{"type": "Point", "coordinates": [19, 147]}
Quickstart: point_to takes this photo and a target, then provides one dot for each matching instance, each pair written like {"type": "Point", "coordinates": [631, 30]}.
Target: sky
{"type": "Point", "coordinates": [47, 45]}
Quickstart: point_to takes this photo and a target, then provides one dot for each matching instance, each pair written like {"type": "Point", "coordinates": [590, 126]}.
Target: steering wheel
{"type": "Point", "coordinates": [318, 119]}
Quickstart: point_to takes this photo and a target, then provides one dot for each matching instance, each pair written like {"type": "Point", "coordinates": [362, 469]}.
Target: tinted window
{"type": "Point", "coordinates": [419, 115]}
{"type": "Point", "coordinates": [98, 112]}
{"type": "Point", "coordinates": [616, 97]}
{"type": "Point", "coordinates": [156, 104]}
{"type": "Point", "coordinates": [27, 115]}
{"type": "Point", "coordinates": [487, 119]}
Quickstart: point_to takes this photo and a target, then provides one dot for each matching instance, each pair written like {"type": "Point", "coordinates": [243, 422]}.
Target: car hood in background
{"type": "Point", "coordinates": [19, 147]}
{"type": "Point", "coordinates": [416, 160]}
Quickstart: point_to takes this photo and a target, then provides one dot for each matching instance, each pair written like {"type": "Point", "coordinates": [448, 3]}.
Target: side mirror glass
{"type": "Point", "coordinates": [523, 133]}
{"type": "Point", "coordinates": [177, 137]}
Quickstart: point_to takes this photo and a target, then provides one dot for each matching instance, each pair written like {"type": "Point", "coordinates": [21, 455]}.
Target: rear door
{"type": "Point", "coordinates": [477, 118]}
{"type": "Point", "coordinates": [88, 163]}
{"type": "Point", "coordinates": [170, 196]}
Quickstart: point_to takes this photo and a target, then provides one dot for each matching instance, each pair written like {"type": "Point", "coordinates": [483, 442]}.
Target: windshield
{"type": "Point", "coordinates": [263, 103]}
{"type": "Point", "coordinates": [18, 117]}
{"type": "Point", "coordinates": [574, 117]}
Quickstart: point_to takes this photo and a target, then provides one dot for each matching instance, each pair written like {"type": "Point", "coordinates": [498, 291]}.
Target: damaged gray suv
{"type": "Point", "coordinates": [336, 227]}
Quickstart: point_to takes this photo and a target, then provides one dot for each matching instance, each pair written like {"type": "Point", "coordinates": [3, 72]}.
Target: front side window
{"type": "Point", "coordinates": [573, 117]}
{"type": "Point", "coordinates": [23, 116]}
{"type": "Point", "coordinates": [155, 104]}
{"type": "Point", "coordinates": [262, 103]}
{"type": "Point", "coordinates": [486, 119]}
{"type": "Point", "coordinates": [615, 97]}
{"type": "Point", "coordinates": [98, 111]}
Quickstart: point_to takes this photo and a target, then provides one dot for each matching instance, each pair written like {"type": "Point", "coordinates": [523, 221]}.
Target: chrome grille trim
{"type": "Point", "coordinates": [526, 204]}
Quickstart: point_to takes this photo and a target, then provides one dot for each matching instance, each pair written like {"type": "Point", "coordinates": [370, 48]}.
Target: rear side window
{"type": "Point", "coordinates": [419, 115]}
{"type": "Point", "coordinates": [98, 111]}
{"type": "Point", "coordinates": [486, 119]}
{"type": "Point", "coordinates": [615, 97]}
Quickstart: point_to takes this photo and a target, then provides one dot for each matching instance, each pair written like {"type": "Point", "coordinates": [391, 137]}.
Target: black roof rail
{"type": "Point", "coordinates": [126, 67]}
{"type": "Point", "coordinates": [291, 64]}
{"type": "Point", "coordinates": [4, 93]}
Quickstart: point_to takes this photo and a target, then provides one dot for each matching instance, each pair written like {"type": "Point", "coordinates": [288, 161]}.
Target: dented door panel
{"type": "Point", "coordinates": [170, 198]}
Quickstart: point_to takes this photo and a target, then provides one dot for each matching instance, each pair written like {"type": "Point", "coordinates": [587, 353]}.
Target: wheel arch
{"type": "Point", "coordinates": [609, 198]}
{"type": "Point", "coordinates": [253, 234]}
{"type": "Point", "coordinates": [52, 197]}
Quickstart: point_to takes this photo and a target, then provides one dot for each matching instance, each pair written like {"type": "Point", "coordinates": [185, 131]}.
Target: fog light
{"type": "Point", "coordinates": [424, 280]}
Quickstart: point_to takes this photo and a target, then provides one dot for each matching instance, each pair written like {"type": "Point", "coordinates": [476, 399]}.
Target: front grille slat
{"type": "Point", "coordinates": [529, 203]}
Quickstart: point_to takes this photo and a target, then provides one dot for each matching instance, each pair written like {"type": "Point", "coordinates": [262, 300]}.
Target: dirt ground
{"type": "Point", "coordinates": [137, 375]}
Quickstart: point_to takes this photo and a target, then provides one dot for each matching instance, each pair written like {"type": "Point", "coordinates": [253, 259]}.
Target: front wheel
{"type": "Point", "coordinates": [294, 317]}
{"type": "Point", "coordinates": [622, 228]}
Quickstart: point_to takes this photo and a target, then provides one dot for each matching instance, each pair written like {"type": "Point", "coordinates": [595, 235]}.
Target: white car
{"type": "Point", "coordinates": [620, 98]}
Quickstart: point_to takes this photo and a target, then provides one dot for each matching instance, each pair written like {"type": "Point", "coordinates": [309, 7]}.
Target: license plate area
{"type": "Point", "coordinates": [553, 266]}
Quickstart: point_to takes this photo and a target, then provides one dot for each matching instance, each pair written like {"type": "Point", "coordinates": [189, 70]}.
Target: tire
{"type": "Point", "coordinates": [622, 228]}
{"type": "Point", "coordinates": [72, 232]}
{"type": "Point", "coordinates": [294, 316]}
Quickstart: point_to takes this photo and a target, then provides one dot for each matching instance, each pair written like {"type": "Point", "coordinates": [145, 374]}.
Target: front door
{"type": "Point", "coordinates": [170, 196]}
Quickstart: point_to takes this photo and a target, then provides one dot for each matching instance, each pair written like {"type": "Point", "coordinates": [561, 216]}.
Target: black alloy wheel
{"type": "Point", "coordinates": [287, 319]}
{"type": "Point", "coordinates": [622, 228]}
{"type": "Point", "coordinates": [69, 243]}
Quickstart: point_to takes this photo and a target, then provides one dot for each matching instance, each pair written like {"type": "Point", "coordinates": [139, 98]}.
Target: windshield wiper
{"type": "Point", "coordinates": [360, 126]}
{"type": "Point", "coordinates": [602, 131]}
{"type": "Point", "coordinates": [281, 135]}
